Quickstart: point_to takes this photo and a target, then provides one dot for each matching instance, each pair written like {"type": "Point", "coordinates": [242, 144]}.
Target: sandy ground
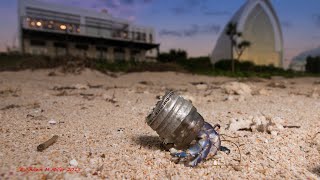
{"type": "Point", "coordinates": [100, 121]}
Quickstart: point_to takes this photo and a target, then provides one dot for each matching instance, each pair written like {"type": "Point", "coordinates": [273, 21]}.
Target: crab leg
{"type": "Point", "coordinates": [196, 152]}
{"type": "Point", "coordinates": [202, 155]}
{"type": "Point", "coordinates": [208, 141]}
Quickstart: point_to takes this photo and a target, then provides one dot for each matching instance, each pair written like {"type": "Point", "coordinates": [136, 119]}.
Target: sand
{"type": "Point", "coordinates": [100, 121]}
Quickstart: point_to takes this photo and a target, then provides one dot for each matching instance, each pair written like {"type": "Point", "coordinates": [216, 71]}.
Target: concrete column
{"type": "Point", "coordinates": [51, 51]}
{"type": "Point", "coordinates": [158, 52]}
{"type": "Point", "coordinates": [127, 54]}
{"type": "Point", "coordinates": [143, 55]}
{"type": "Point", "coordinates": [110, 55]}
{"type": "Point", "coordinates": [82, 25]}
{"type": "Point", "coordinates": [92, 52]}
{"type": "Point", "coordinates": [26, 46]}
{"type": "Point", "coordinates": [71, 50]}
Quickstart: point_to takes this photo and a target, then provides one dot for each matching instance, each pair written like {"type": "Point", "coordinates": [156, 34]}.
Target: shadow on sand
{"type": "Point", "coordinates": [316, 171]}
{"type": "Point", "coordinates": [148, 142]}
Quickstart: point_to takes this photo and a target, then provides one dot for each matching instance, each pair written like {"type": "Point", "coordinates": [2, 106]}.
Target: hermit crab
{"type": "Point", "coordinates": [178, 124]}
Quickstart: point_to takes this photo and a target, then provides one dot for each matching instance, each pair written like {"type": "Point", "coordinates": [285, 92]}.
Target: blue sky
{"type": "Point", "coordinates": [193, 25]}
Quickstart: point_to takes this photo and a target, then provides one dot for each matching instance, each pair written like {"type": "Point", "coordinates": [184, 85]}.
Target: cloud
{"type": "Point", "coordinates": [113, 4]}
{"type": "Point", "coordinates": [211, 28]}
{"type": "Point", "coordinates": [286, 24]}
{"type": "Point", "coordinates": [192, 3]}
{"type": "Point", "coordinates": [118, 3]}
{"type": "Point", "coordinates": [123, 8]}
{"type": "Point", "coordinates": [129, 2]}
{"type": "Point", "coordinates": [166, 32]}
{"type": "Point", "coordinates": [127, 9]}
{"type": "Point", "coordinates": [179, 10]}
{"type": "Point", "coordinates": [187, 6]}
{"type": "Point", "coordinates": [147, 1]}
{"type": "Point", "coordinates": [131, 18]}
{"type": "Point", "coordinates": [216, 13]}
{"type": "Point", "coordinates": [316, 18]}
{"type": "Point", "coordinates": [192, 30]}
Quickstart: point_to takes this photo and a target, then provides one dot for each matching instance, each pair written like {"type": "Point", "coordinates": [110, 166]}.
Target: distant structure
{"type": "Point", "coordinates": [299, 62]}
{"type": "Point", "coordinates": [298, 66]}
{"type": "Point", "coordinates": [259, 25]}
{"type": "Point", "coordinates": [56, 30]}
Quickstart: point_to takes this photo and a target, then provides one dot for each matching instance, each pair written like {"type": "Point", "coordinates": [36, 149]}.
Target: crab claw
{"type": "Point", "coordinates": [208, 141]}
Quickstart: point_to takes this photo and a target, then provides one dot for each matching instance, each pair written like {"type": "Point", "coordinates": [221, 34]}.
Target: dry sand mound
{"type": "Point", "coordinates": [100, 123]}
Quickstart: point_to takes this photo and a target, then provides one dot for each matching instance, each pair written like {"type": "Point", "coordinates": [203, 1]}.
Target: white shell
{"type": "Point", "coordinates": [53, 122]}
{"type": "Point", "coordinates": [73, 162]}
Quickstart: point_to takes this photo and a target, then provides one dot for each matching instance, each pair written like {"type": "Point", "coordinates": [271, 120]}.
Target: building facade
{"type": "Point", "coordinates": [55, 30]}
{"type": "Point", "coordinates": [259, 24]}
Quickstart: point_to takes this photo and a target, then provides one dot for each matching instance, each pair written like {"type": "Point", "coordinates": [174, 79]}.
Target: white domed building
{"type": "Point", "coordinates": [259, 24]}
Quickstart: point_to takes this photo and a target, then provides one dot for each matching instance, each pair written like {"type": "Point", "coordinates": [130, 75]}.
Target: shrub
{"type": "Point", "coordinates": [313, 64]}
{"type": "Point", "coordinates": [173, 56]}
{"type": "Point", "coordinates": [239, 65]}
{"type": "Point", "coordinates": [199, 65]}
{"type": "Point", "coordinates": [196, 65]}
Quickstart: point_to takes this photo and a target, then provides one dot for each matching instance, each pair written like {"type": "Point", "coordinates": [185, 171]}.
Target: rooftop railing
{"type": "Point", "coordinates": [101, 31]}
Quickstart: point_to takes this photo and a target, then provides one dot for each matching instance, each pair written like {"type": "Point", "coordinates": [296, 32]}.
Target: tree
{"type": "Point", "coordinates": [236, 43]}
{"type": "Point", "coordinates": [313, 64]}
{"type": "Point", "coordinates": [173, 55]}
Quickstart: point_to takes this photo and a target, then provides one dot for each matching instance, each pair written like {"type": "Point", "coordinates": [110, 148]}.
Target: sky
{"type": "Point", "coordinates": [192, 25]}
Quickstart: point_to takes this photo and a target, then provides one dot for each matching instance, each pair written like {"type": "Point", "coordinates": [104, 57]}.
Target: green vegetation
{"type": "Point", "coordinates": [16, 61]}
{"type": "Point", "coordinates": [248, 68]}
{"type": "Point", "coordinates": [174, 60]}
{"type": "Point", "coordinates": [173, 56]}
{"type": "Point", "coordinates": [313, 64]}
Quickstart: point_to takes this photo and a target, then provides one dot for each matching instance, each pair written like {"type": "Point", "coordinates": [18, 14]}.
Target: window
{"type": "Point", "coordinates": [51, 20]}
{"type": "Point", "coordinates": [98, 27]}
{"type": "Point", "coordinates": [102, 52]}
{"type": "Point", "coordinates": [61, 48]}
{"type": "Point", "coordinates": [60, 45]}
{"type": "Point", "coordinates": [37, 43]}
{"type": "Point", "coordinates": [81, 50]}
{"type": "Point", "coordinates": [49, 24]}
{"type": "Point", "coordinates": [101, 48]}
{"type": "Point", "coordinates": [38, 50]}
{"type": "Point", "coordinates": [124, 34]}
{"type": "Point", "coordinates": [150, 38]}
{"type": "Point", "coordinates": [143, 36]}
{"type": "Point", "coordinates": [135, 55]}
{"type": "Point", "coordinates": [119, 54]}
{"type": "Point", "coordinates": [37, 13]}
{"type": "Point", "coordinates": [81, 46]}
{"type": "Point", "coordinates": [38, 47]}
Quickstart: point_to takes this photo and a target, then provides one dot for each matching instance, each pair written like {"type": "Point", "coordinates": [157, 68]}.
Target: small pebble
{"type": "Point", "coordinates": [173, 150]}
{"type": "Point", "coordinates": [237, 167]}
{"type": "Point", "coordinates": [81, 86]}
{"type": "Point", "coordinates": [237, 88]}
{"type": "Point", "coordinates": [73, 162]}
{"type": "Point", "coordinates": [274, 133]}
{"type": "Point", "coordinates": [229, 98]}
{"type": "Point", "coordinates": [241, 99]}
{"type": "Point", "coordinates": [53, 122]}
{"type": "Point", "coordinates": [202, 86]}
